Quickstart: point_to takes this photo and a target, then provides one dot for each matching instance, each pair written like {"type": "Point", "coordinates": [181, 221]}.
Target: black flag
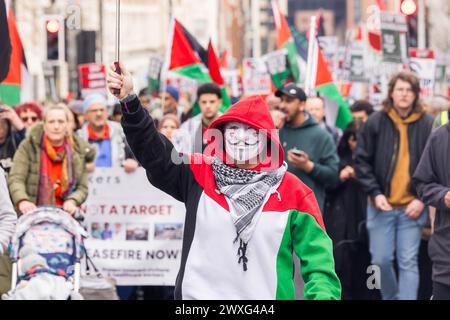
{"type": "Point", "coordinates": [5, 42]}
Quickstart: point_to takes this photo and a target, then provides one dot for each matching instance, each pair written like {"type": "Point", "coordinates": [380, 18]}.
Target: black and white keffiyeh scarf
{"type": "Point", "coordinates": [246, 191]}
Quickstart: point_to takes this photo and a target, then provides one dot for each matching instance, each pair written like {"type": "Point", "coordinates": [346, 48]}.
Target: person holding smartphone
{"type": "Point", "coordinates": [311, 152]}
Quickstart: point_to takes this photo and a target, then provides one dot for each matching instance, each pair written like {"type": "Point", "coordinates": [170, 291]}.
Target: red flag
{"type": "Point", "coordinates": [223, 61]}
{"type": "Point", "coordinates": [358, 35]}
{"type": "Point", "coordinates": [374, 39]}
{"type": "Point", "coordinates": [381, 4]}
{"type": "Point", "coordinates": [213, 66]}
{"type": "Point", "coordinates": [323, 75]}
{"type": "Point", "coordinates": [281, 26]}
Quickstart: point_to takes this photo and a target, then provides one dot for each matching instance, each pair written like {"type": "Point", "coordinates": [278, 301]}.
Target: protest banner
{"type": "Point", "coordinates": [135, 229]}
{"type": "Point", "coordinates": [393, 37]}
{"type": "Point", "coordinates": [423, 63]}
{"type": "Point", "coordinates": [356, 62]}
{"type": "Point", "coordinates": [256, 79]}
{"type": "Point", "coordinates": [154, 74]}
{"type": "Point", "coordinates": [231, 79]}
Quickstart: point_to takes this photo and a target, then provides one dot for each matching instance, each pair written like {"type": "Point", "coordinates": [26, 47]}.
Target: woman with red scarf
{"type": "Point", "coordinates": [49, 168]}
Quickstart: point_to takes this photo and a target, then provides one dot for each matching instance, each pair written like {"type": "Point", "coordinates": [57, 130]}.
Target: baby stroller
{"type": "Point", "coordinates": [46, 250]}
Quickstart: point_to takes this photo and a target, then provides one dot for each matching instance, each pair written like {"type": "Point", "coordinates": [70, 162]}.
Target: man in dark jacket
{"type": "Point", "coordinates": [387, 154]}
{"type": "Point", "coordinates": [311, 152]}
{"type": "Point", "coordinates": [433, 187]}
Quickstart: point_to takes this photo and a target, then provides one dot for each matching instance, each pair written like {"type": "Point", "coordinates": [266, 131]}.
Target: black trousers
{"type": "Point", "coordinates": [441, 291]}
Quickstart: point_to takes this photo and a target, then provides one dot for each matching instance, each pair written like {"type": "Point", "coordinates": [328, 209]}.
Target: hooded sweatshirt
{"type": "Point", "coordinates": [319, 146]}
{"type": "Point", "coordinates": [290, 219]}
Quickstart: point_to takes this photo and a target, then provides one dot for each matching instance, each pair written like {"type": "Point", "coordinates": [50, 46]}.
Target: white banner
{"type": "Point", "coordinates": [256, 79]}
{"type": "Point", "coordinates": [231, 78]}
{"type": "Point", "coordinates": [423, 63]}
{"type": "Point", "coordinates": [135, 229]}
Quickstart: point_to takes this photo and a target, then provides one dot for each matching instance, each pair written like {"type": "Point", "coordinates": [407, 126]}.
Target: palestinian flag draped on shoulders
{"type": "Point", "coordinates": [336, 108]}
{"type": "Point", "coordinates": [12, 58]}
{"type": "Point", "coordinates": [188, 58]}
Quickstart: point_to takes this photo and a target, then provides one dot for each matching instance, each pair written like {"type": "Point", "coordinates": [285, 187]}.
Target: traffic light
{"type": "Point", "coordinates": [409, 9]}
{"type": "Point", "coordinates": [54, 29]}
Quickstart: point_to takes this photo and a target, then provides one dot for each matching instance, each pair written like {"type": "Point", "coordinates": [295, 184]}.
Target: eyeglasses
{"type": "Point", "coordinates": [26, 119]}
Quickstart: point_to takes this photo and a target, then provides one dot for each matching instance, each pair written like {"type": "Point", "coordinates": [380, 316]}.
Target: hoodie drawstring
{"type": "Point", "coordinates": [242, 252]}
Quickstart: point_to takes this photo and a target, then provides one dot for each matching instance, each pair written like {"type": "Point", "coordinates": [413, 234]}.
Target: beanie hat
{"type": "Point", "coordinates": [94, 98]}
{"type": "Point", "coordinates": [77, 106]}
{"type": "Point", "coordinates": [173, 92]}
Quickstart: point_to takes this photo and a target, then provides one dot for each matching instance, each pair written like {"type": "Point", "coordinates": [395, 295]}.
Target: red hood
{"type": "Point", "coordinates": [254, 112]}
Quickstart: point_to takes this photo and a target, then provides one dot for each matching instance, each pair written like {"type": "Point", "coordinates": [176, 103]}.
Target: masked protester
{"type": "Point", "coordinates": [245, 215]}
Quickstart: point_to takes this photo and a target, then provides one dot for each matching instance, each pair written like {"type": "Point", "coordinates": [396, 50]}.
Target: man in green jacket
{"type": "Point", "coordinates": [311, 152]}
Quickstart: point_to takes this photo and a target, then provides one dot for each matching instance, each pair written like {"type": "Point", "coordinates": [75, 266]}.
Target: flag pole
{"type": "Point", "coordinates": [309, 61]}
{"type": "Point", "coordinates": [117, 45]}
{"type": "Point", "coordinates": [166, 63]}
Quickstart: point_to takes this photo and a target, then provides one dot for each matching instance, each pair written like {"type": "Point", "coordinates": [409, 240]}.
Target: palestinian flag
{"type": "Point", "coordinates": [12, 58]}
{"type": "Point", "coordinates": [285, 40]}
{"type": "Point", "coordinates": [336, 108]}
{"type": "Point", "coordinates": [190, 59]}
{"type": "Point", "coordinates": [184, 60]}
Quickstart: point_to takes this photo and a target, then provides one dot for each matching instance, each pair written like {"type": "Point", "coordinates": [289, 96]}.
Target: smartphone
{"type": "Point", "coordinates": [297, 152]}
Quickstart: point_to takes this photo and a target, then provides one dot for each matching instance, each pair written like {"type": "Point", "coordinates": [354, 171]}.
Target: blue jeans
{"type": "Point", "coordinates": [393, 232]}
